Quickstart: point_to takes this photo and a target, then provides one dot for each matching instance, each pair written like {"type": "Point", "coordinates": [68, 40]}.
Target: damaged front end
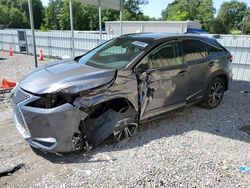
{"type": "Point", "coordinates": [112, 111]}
{"type": "Point", "coordinates": [45, 121]}
{"type": "Point", "coordinates": [63, 122]}
{"type": "Point", "coordinates": [106, 119]}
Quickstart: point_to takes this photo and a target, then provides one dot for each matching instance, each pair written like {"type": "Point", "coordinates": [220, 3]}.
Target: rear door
{"type": "Point", "coordinates": [195, 56]}
{"type": "Point", "coordinates": [163, 80]}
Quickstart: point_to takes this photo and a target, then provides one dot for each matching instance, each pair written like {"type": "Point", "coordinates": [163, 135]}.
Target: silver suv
{"type": "Point", "coordinates": [78, 103]}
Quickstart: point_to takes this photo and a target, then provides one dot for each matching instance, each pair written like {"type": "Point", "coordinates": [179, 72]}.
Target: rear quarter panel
{"type": "Point", "coordinates": [222, 66]}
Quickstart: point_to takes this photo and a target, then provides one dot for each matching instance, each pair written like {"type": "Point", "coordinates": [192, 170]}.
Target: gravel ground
{"type": "Point", "coordinates": [192, 148]}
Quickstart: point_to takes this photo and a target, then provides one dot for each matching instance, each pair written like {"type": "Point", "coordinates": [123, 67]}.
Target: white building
{"type": "Point", "coordinates": [113, 27]}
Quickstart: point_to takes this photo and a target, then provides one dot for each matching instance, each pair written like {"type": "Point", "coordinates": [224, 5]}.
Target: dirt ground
{"type": "Point", "coordinates": [192, 148]}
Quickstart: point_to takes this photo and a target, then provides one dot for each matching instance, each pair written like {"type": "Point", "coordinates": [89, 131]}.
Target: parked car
{"type": "Point", "coordinates": [75, 104]}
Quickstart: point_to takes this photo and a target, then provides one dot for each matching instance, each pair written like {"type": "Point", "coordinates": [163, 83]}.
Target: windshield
{"type": "Point", "coordinates": [115, 54]}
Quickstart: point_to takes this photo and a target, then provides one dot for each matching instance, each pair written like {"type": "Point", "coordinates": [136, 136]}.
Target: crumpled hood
{"type": "Point", "coordinates": [65, 74]}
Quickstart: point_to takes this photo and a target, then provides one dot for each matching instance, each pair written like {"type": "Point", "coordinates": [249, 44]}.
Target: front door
{"type": "Point", "coordinates": [163, 80]}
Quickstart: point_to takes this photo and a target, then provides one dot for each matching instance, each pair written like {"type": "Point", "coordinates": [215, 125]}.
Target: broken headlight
{"type": "Point", "coordinates": [52, 100]}
{"type": "Point", "coordinates": [83, 88]}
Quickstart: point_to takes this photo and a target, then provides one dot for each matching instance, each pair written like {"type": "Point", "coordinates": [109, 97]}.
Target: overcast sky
{"type": "Point", "coordinates": [154, 7]}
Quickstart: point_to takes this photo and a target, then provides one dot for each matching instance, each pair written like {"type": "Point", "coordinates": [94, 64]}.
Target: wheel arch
{"type": "Point", "coordinates": [221, 74]}
{"type": "Point", "coordinates": [225, 79]}
{"type": "Point", "coordinates": [115, 99]}
{"type": "Point", "coordinates": [101, 120]}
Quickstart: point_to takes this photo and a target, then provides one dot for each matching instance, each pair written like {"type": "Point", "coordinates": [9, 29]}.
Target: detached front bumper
{"type": "Point", "coordinates": [50, 130]}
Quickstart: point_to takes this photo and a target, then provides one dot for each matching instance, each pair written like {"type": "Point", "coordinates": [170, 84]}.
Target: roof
{"type": "Point", "coordinates": [157, 36]}
{"type": "Point", "coordinates": [111, 4]}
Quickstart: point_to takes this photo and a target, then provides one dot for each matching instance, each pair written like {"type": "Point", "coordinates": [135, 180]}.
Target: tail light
{"type": "Point", "coordinates": [230, 58]}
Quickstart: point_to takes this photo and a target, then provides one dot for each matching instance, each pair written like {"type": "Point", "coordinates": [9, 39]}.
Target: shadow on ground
{"type": "Point", "coordinates": [227, 121]}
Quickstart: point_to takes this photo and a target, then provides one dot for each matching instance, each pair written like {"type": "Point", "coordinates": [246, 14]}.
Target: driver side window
{"type": "Point", "coordinates": [166, 55]}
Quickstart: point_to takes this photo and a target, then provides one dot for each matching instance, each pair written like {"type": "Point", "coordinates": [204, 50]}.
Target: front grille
{"type": "Point", "coordinates": [19, 117]}
{"type": "Point", "coordinates": [20, 122]}
{"type": "Point", "coordinates": [19, 96]}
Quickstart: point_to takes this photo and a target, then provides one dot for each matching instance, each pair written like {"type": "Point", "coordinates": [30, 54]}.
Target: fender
{"type": "Point", "coordinates": [216, 74]}
{"type": "Point", "coordinates": [125, 87]}
{"type": "Point", "coordinates": [95, 100]}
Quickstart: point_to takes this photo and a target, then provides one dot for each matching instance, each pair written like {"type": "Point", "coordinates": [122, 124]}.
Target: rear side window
{"type": "Point", "coordinates": [212, 49]}
{"type": "Point", "coordinates": [194, 50]}
{"type": "Point", "coordinates": [166, 55]}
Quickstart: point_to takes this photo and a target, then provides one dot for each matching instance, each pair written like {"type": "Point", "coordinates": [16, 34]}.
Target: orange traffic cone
{"type": "Point", "coordinates": [4, 84]}
{"type": "Point", "coordinates": [10, 52]}
{"type": "Point", "coordinates": [10, 84]}
{"type": "Point", "coordinates": [41, 55]}
{"type": "Point", "coordinates": [7, 84]}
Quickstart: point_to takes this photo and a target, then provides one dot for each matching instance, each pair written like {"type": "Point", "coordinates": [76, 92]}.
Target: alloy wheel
{"type": "Point", "coordinates": [126, 132]}
{"type": "Point", "coordinates": [216, 94]}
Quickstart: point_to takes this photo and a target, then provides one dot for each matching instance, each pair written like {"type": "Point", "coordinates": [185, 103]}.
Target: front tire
{"type": "Point", "coordinates": [214, 93]}
{"type": "Point", "coordinates": [115, 120]}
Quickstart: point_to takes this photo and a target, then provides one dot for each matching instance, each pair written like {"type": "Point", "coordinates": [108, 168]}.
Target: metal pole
{"type": "Point", "coordinates": [242, 28]}
{"type": "Point", "coordinates": [72, 29]}
{"type": "Point", "coordinates": [100, 21]}
{"type": "Point", "coordinates": [32, 28]}
{"type": "Point", "coordinates": [121, 10]}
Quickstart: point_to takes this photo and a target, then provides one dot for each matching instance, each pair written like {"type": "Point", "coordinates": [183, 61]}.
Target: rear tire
{"type": "Point", "coordinates": [214, 93]}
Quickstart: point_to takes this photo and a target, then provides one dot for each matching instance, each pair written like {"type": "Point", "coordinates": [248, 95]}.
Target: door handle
{"type": "Point", "coordinates": [182, 72]}
{"type": "Point", "coordinates": [211, 63]}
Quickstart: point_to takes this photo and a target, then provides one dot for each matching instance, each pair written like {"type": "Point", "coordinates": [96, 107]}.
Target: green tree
{"type": "Point", "coordinates": [81, 15]}
{"type": "Point", "coordinates": [132, 10]}
{"type": "Point", "coordinates": [16, 19]}
{"type": "Point", "coordinates": [110, 15]}
{"type": "Point", "coordinates": [38, 11]}
{"type": "Point", "coordinates": [52, 14]}
{"type": "Point", "coordinates": [247, 27]}
{"type": "Point", "coordinates": [133, 6]}
{"type": "Point", "coordinates": [246, 22]}
{"type": "Point", "coordinates": [22, 6]}
{"type": "Point", "coordinates": [230, 16]}
{"type": "Point", "coordinates": [4, 15]}
{"type": "Point", "coordinates": [219, 27]}
{"type": "Point", "coordinates": [10, 3]}
{"type": "Point", "coordinates": [205, 15]}
{"type": "Point", "coordinates": [182, 10]}
{"type": "Point", "coordinates": [86, 16]}
{"type": "Point", "coordinates": [93, 17]}
{"type": "Point", "coordinates": [174, 12]}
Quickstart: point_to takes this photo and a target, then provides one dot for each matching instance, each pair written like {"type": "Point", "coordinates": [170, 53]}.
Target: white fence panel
{"type": "Point", "coordinates": [53, 43]}
{"type": "Point", "coordinates": [239, 46]}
